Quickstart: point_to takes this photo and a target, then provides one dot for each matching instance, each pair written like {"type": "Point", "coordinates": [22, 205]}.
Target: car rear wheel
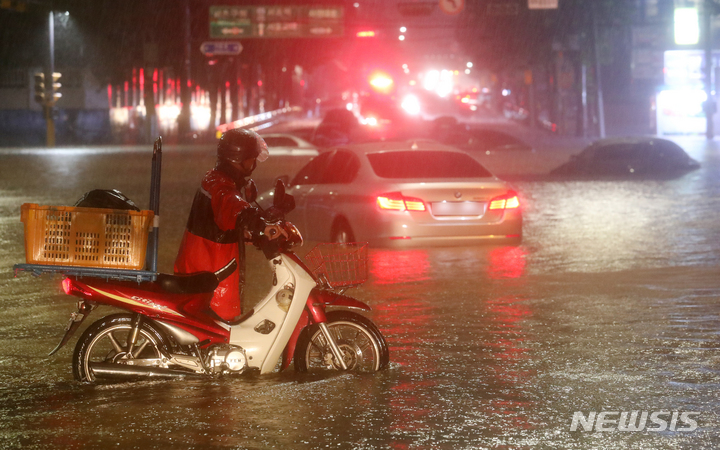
{"type": "Point", "coordinates": [341, 232]}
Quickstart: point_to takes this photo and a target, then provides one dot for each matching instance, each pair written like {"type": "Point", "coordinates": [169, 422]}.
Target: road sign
{"type": "Point", "coordinates": [221, 48]}
{"type": "Point", "coordinates": [542, 4]}
{"type": "Point", "coordinates": [452, 7]}
{"type": "Point", "coordinates": [276, 21]}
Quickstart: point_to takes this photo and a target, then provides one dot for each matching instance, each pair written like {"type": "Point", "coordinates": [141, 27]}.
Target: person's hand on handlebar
{"type": "Point", "coordinates": [274, 232]}
{"type": "Point", "coordinates": [271, 231]}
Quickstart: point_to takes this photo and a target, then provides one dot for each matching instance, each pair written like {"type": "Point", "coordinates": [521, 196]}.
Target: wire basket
{"type": "Point", "coordinates": [339, 265]}
{"type": "Point", "coordinates": [85, 237]}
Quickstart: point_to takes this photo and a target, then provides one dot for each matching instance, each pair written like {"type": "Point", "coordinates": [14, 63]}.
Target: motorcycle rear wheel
{"type": "Point", "coordinates": [363, 346]}
{"type": "Point", "coordinates": [106, 341]}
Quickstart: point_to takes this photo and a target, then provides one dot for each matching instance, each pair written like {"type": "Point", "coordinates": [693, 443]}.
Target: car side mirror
{"type": "Point", "coordinates": [251, 191]}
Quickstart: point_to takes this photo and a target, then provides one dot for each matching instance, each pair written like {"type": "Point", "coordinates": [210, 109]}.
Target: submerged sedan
{"type": "Point", "coordinates": [629, 157]}
{"type": "Point", "coordinates": [402, 194]}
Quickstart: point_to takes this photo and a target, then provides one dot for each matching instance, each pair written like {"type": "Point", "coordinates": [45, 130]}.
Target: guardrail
{"type": "Point", "coordinates": [257, 119]}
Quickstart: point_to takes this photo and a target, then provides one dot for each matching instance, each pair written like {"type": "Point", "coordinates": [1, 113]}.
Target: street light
{"type": "Point", "coordinates": [687, 26]}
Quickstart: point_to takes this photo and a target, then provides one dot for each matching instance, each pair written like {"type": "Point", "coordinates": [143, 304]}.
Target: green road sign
{"type": "Point", "coordinates": [238, 22]}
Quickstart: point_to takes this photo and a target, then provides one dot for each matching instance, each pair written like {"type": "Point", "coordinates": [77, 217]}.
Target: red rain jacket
{"type": "Point", "coordinates": [211, 240]}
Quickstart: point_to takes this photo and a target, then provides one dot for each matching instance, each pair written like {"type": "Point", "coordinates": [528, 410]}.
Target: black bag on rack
{"type": "Point", "coordinates": [106, 198]}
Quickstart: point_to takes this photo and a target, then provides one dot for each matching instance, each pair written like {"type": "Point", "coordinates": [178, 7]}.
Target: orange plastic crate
{"type": "Point", "coordinates": [85, 237]}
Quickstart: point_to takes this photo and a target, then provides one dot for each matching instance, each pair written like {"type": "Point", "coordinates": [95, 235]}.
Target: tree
{"type": "Point", "coordinates": [506, 37]}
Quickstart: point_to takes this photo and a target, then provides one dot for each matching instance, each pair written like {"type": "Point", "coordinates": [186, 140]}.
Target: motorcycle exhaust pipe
{"type": "Point", "coordinates": [106, 370]}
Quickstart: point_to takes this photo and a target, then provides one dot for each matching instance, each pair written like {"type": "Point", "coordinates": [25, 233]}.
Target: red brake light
{"type": "Point", "coordinates": [507, 201]}
{"type": "Point", "coordinates": [395, 201]}
{"type": "Point", "coordinates": [67, 285]}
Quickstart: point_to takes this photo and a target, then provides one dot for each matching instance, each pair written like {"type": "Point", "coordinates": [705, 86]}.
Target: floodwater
{"type": "Point", "coordinates": [610, 305]}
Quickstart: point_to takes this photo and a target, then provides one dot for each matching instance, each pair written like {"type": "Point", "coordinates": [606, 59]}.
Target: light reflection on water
{"type": "Point", "coordinates": [476, 365]}
{"type": "Point", "coordinates": [581, 226]}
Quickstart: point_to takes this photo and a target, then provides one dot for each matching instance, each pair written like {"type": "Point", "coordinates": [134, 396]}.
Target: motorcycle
{"type": "Point", "coordinates": [170, 331]}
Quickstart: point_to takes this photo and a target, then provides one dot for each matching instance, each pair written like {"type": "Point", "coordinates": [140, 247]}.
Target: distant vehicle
{"type": "Point", "coordinates": [448, 131]}
{"type": "Point", "coordinates": [403, 194]}
{"type": "Point", "coordinates": [288, 144]}
{"type": "Point", "coordinates": [469, 101]}
{"type": "Point", "coordinates": [376, 121]}
{"type": "Point", "coordinates": [490, 141]}
{"type": "Point", "coordinates": [338, 127]}
{"type": "Point", "coordinates": [629, 157]}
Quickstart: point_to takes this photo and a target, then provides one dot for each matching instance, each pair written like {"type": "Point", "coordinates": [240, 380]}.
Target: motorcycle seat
{"type": "Point", "coordinates": [194, 283]}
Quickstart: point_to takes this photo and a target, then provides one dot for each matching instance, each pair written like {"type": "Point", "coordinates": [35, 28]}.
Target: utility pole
{"type": "Point", "coordinates": [185, 92]}
{"type": "Point", "coordinates": [709, 105]}
{"type": "Point", "coordinates": [48, 108]}
{"type": "Point", "coordinates": [598, 79]}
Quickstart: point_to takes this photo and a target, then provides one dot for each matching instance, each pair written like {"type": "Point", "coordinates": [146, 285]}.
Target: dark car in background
{"type": "Point", "coordinates": [402, 194]}
{"type": "Point", "coordinates": [375, 120]}
{"type": "Point", "coordinates": [629, 157]}
{"type": "Point", "coordinates": [491, 141]}
{"type": "Point", "coordinates": [339, 127]}
{"type": "Point", "coordinates": [481, 140]}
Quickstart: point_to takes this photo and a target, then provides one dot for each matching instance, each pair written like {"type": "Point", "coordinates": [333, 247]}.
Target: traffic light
{"type": "Point", "coordinates": [40, 87]}
{"type": "Point", "coordinates": [55, 88]}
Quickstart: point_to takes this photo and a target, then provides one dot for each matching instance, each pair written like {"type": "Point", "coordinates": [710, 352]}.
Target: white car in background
{"type": "Point", "coordinates": [402, 194]}
{"type": "Point", "coordinates": [289, 145]}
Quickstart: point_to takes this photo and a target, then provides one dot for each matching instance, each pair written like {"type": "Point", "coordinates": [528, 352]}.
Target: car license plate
{"type": "Point", "coordinates": [458, 208]}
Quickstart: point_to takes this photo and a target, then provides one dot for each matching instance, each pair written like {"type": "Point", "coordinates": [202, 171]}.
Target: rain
{"type": "Point", "coordinates": [606, 308]}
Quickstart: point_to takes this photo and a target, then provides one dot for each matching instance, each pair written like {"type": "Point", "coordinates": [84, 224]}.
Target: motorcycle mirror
{"type": "Point", "coordinates": [284, 178]}
{"type": "Point", "coordinates": [251, 191]}
{"type": "Point", "coordinates": [281, 200]}
{"type": "Point", "coordinates": [279, 196]}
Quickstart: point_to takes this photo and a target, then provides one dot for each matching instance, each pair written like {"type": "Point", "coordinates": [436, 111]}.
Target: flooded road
{"type": "Point", "coordinates": [610, 305]}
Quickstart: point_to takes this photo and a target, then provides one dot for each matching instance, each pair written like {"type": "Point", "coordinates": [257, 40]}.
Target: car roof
{"type": "Point", "coordinates": [302, 142]}
{"type": "Point", "coordinates": [282, 135]}
{"type": "Point", "coordinates": [628, 140]}
{"type": "Point", "coordinates": [407, 145]}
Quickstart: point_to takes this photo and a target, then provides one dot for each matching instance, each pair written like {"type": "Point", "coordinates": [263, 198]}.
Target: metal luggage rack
{"type": "Point", "coordinates": [98, 272]}
{"type": "Point", "coordinates": [119, 274]}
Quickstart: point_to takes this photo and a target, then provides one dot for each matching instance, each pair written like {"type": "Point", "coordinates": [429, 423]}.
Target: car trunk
{"type": "Point", "coordinates": [462, 200]}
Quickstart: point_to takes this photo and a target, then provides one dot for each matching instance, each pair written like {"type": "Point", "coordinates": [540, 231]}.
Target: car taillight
{"type": "Point", "coordinates": [397, 202]}
{"type": "Point", "coordinates": [507, 201]}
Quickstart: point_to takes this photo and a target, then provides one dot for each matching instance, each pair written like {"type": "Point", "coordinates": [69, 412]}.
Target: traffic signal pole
{"type": "Point", "coordinates": [49, 85]}
{"type": "Point", "coordinates": [598, 79]}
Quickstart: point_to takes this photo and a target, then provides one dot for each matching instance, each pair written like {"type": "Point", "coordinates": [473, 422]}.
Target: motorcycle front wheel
{"type": "Point", "coordinates": [106, 341]}
{"type": "Point", "coordinates": [362, 345]}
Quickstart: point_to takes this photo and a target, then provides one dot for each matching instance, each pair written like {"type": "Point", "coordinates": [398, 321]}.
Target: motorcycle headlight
{"type": "Point", "coordinates": [284, 298]}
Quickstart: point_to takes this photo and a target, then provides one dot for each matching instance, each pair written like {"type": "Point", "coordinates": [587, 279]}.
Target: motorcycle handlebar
{"type": "Point", "coordinates": [273, 247]}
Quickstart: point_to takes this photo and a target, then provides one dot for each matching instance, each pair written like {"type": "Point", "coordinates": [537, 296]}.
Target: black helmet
{"type": "Point", "coordinates": [239, 145]}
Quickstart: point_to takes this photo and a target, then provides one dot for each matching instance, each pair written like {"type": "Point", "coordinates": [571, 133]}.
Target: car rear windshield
{"type": "Point", "coordinates": [426, 164]}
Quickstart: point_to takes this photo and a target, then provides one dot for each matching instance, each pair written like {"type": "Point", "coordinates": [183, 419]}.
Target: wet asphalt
{"type": "Point", "coordinates": [609, 305]}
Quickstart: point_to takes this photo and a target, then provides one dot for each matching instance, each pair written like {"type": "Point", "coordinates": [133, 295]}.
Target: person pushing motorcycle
{"type": "Point", "coordinates": [218, 215]}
